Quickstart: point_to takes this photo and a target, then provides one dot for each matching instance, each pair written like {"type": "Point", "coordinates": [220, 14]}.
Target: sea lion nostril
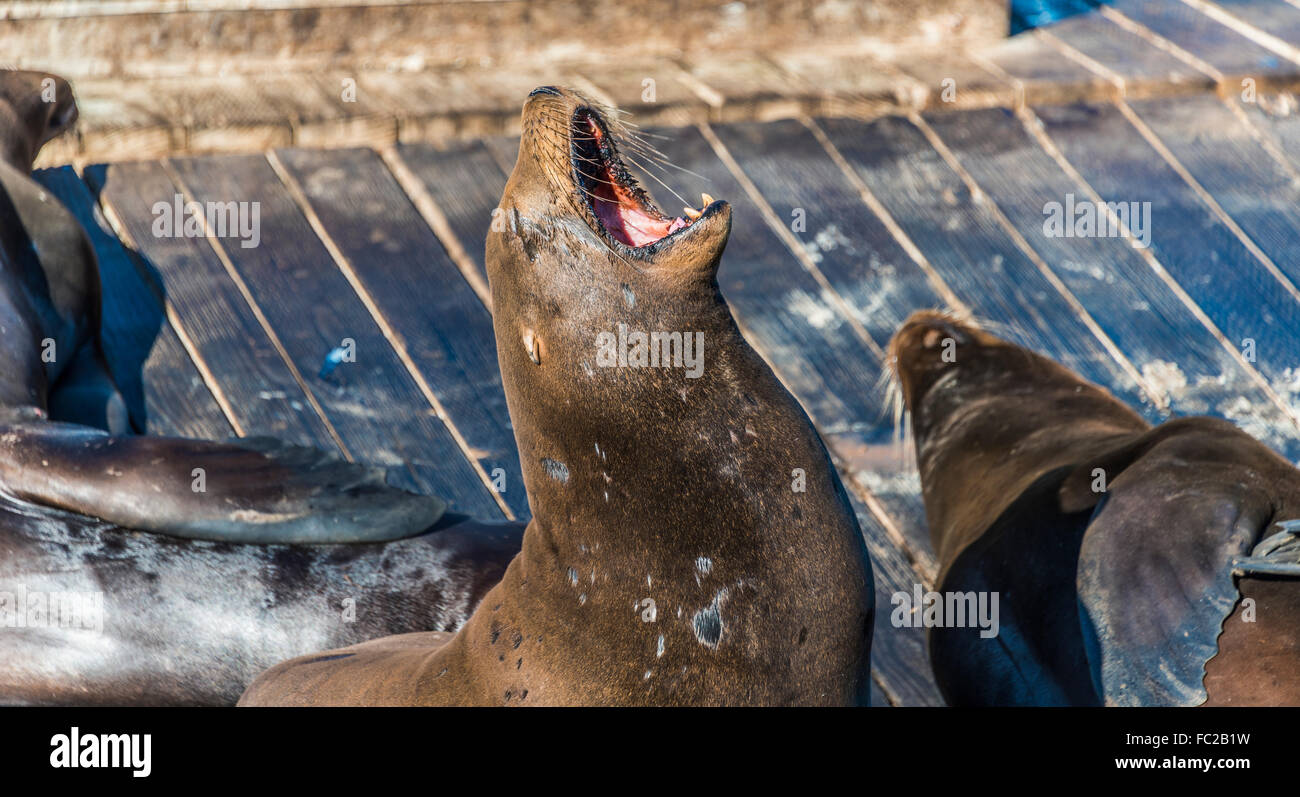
{"type": "Point", "coordinates": [548, 90]}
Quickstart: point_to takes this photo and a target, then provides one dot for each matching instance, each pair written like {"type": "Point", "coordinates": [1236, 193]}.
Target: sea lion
{"type": "Point", "coordinates": [690, 541]}
{"type": "Point", "coordinates": [96, 611]}
{"type": "Point", "coordinates": [1129, 561]}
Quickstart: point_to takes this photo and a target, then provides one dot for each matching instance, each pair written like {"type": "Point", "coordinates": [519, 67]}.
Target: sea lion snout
{"type": "Point", "coordinates": [928, 343]}
{"type": "Point", "coordinates": [571, 158]}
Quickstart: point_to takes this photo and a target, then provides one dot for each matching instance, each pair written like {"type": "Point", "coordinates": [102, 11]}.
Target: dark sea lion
{"type": "Point", "coordinates": [668, 560]}
{"type": "Point", "coordinates": [1133, 565]}
{"type": "Point", "coordinates": [96, 610]}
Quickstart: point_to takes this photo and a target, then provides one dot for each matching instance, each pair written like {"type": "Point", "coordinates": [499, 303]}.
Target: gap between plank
{"type": "Point", "coordinates": [395, 340]}
{"type": "Point", "coordinates": [428, 208]}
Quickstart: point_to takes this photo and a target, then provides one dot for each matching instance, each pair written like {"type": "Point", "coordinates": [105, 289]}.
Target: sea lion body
{"type": "Point", "coordinates": [670, 560]}
{"type": "Point", "coordinates": [148, 619]}
{"type": "Point", "coordinates": [1118, 551]}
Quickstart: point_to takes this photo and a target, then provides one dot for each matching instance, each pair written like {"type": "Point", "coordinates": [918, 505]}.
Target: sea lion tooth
{"type": "Point", "coordinates": [705, 200]}
{"type": "Point", "coordinates": [692, 213]}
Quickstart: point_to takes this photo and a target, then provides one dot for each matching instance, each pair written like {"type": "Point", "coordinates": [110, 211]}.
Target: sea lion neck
{"type": "Point", "coordinates": [614, 379]}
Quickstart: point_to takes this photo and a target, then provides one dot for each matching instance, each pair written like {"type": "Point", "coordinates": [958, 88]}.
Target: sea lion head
{"type": "Point", "coordinates": [34, 108]}
{"type": "Point", "coordinates": [577, 250]}
{"type": "Point", "coordinates": [989, 417]}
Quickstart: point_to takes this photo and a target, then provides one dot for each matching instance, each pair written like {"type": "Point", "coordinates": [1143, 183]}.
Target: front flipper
{"type": "Point", "coordinates": [250, 490]}
{"type": "Point", "coordinates": [1155, 577]}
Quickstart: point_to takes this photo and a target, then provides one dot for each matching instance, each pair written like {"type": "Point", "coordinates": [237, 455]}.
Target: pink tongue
{"type": "Point", "coordinates": [677, 224]}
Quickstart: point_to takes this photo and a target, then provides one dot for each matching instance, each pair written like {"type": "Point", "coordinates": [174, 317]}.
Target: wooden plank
{"type": "Point", "coordinates": [1270, 114]}
{"type": "Point", "coordinates": [1145, 69]}
{"type": "Point", "coordinates": [650, 92]}
{"type": "Point", "coordinates": [974, 255]}
{"type": "Point", "coordinates": [1183, 26]}
{"type": "Point", "coordinates": [860, 87]}
{"type": "Point", "coordinates": [1276, 18]}
{"type": "Point", "coordinates": [753, 88]}
{"type": "Point", "coordinates": [372, 403]}
{"type": "Point", "coordinates": [258, 391]}
{"type": "Point", "coordinates": [954, 81]}
{"type": "Point", "coordinates": [164, 390]}
{"type": "Point", "coordinates": [878, 281]}
{"type": "Point", "coordinates": [466, 182]}
{"type": "Point", "coordinates": [1141, 312]}
{"type": "Point", "coordinates": [438, 106]}
{"type": "Point", "coordinates": [442, 324]}
{"type": "Point", "coordinates": [1197, 248]}
{"type": "Point", "coordinates": [1044, 75]}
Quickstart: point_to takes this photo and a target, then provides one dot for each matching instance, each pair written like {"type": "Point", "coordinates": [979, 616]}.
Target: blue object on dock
{"type": "Point", "coordinates": [1030, 14]}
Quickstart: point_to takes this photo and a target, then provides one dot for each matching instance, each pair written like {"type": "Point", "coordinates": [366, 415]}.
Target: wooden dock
{"type": "Point", "coordinates": [1171, 103]}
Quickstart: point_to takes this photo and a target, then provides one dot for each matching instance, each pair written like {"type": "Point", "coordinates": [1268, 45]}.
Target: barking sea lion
{"type": "Point", "coordinates": [690, 542]}
{"type": "Point", "coordinates": [1133, 565]}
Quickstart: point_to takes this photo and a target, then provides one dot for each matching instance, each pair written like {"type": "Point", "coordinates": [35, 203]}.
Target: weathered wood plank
{"type": "Point", "coordinates": [955, 81]}
{"type": "Point", "coordinates": [1232, 54]}
{"type": "Point", "coordinates": [859, 87]}
{"type": "Point", "coordinates": [259, 391]}
{"type": "Point", "coordinates": [651, 92]}
{"type": "Point", "coordinates": [164, 390]}
{"type": "Point", "coordinates": [1198, 249]}
{"type": "Point", "coordinates": [1145, 69]}
{"type": "Point", "coordinates": [466, 182]}
{"type": "Point", "coordinates": [435, 314]}
{"type": "Point", "coordinates": [371, 402]}
{"type": "Point", "coordinates": [1276, 18]}
{"type": "Point", "coordinates": [1045, 76]}
{"type": "Point", "coordinates": [1138, 310]}
{"type": "Point", "coordinates": [970, 251]}
{"type": "Point", "coordinates": [753, 88]}
{"type": "Point", "coordinates": [899, 657]}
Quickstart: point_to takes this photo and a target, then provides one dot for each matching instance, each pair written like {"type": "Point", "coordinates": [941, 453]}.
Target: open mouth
{"type": "Point", "coordinates": [620, 207]}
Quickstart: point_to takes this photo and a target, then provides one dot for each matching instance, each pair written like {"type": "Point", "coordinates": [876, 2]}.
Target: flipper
{"type": "Point", "coordinates": [249, 490]}
{"type": "Point", "coordinates": [1184, 504]}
